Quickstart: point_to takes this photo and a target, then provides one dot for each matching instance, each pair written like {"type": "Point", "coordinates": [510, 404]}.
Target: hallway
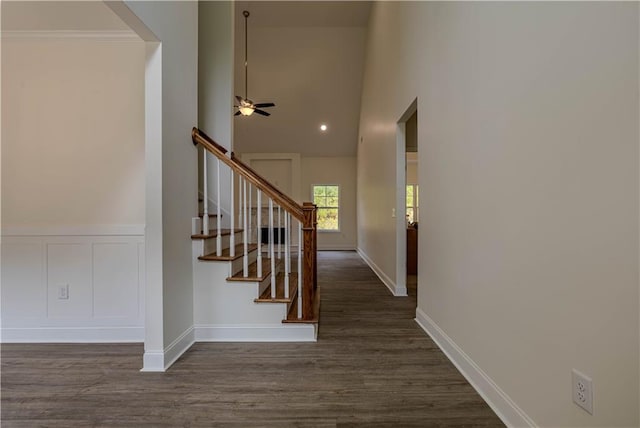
{"type": "Point", "coordinates": [372, 366]}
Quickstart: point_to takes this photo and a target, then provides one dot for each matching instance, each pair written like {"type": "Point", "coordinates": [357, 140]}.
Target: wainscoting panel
{"type": "Point", "coordinates": [72, 288]}
{"type": "Point", "coordinates": [24, 292]}
{"type": "Point", "coordinates": [116, 291]}
{"type": "Point", "coordinates": [69, 266]}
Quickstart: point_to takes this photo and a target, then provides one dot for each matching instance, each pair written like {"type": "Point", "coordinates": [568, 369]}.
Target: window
{"type": "Point", "coordinates": [327, 198]}
{"type": "Point", "coordinates": [412, 203]}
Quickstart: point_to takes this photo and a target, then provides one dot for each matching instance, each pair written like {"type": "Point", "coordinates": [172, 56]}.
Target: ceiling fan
{"type": "Point", "coordinates": [245, 106]}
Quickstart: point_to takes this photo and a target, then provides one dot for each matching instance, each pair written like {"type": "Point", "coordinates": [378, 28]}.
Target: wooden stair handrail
{"type": "Point", "coordinates": [195, 132]}
{"type": "Point", "coordinates": [199, 137]}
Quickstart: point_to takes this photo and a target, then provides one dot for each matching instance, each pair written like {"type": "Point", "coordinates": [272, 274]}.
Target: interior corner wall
{"type": "Point", "coordinates": [215, 70]}
{"type": "Point", "coordinates": [73, 189]}
{"type": "Point", "coordinates": [340, 171]}
{"type": "Point", "coordinates": [529, 162]}
{"type": "Point", "coordinates": [215, 91]}
{"type": "Point", "coordinates": [175, 24]}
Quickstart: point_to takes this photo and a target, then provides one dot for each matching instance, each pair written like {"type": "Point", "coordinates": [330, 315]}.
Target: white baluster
{"type": "Point", "coordinates": [279, 235]}
{"type": "Point", "coordinates": [218, 214]}
{"type": "Point", "coordinates": [205, 197]}
{"type": "Point", "coordinates": [239, 199]}
{"type": "Point", "coordinates": [299, 270]}
{"type": "Point", "coordinates": [287, 254]}
{"type": "Point", "coordinates": [250, 215]}
{"type": "Point", "coordinates": [232, 238]}
{"type": "Point", "coordinates": [259, 229]}
{"type": "Point", "coordinates": [245, 260]}
{"type": "Point", "coordinates": [271, 251]}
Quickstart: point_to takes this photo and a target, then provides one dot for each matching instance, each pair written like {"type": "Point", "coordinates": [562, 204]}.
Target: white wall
{"type": "Point", "coordinates": [215, 91]}
{"type": "Point", "coordinates": [215, 70]}
{"type": "Point", "coordinates": [174, 185]}
{"type": "Point", "coordinates": [340, 171]}
{"type": "Point", "coordinates": [74, 133]}
{"type": "Point", "coordinates": [528, 152]}
{"type": "Point", "coordinates": [73, 188]}
{"type": "Point", "coordinates": [283, 170]}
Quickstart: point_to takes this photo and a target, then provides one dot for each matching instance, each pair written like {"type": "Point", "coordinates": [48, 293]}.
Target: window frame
{"type": "Point", "coordinates": [414, 201]}
{"type": "Point", "coordinates": [313, 186]}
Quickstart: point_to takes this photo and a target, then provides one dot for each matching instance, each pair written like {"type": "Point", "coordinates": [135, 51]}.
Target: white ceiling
{"type": "Point", "coordinates": [304, 13]}
{"type": "Point", "coordinates": [93, 16]}
{"type": "Point", "coordinates": [307, 57]}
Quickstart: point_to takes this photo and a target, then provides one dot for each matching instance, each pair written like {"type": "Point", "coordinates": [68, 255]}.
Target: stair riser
{"type": "Point", "coordinates": [238, 264]}
{"type": "Point", "coordinates": [295, 298]}
{"type": "Point", "coordinates": [264, 285]}
{"type": "Point", "coordinates": [209, 245]}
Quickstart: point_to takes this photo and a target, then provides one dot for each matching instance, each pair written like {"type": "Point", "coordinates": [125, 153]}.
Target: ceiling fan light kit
{"type": "Point", "coordinates": [245, 106]}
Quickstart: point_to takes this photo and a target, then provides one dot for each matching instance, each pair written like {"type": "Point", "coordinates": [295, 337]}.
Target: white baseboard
{"type": "Point", "coordinates": [72, 335]}
{"type": "Point", "coordinates": [401, 291]}
{"type": "Point", "coordinates": [383, 276]}
{"type": "Point", "coordinates": [506, 409]}
{"type": "Point", "coordinates": [160, 361]}
{"type": "Point", "coordinates": [336, 247]}
{"type": "Point", "coordinates": [153, 361]}
{"type": "Point", "coordinates": [257, 333]}
{"type": "Point", "coordinates": [179, 347]}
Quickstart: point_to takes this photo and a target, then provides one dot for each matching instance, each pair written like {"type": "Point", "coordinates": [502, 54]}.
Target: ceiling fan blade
{"type": "Point", "coordinates": [237, 113]}
{"type": "Point", "coordinates": [239, 98]}
{"type": "Point", "coordinates": [264, 113]}
{"type": "Point", "coordinates": [263, 105]}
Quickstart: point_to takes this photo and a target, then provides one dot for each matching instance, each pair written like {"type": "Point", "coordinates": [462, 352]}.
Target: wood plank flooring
{"type": "Point", "coordinates": [371, 367]}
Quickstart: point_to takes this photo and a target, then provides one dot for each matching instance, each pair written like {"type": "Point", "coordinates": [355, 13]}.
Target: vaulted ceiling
{"type": "Point", "coordinates": [307, 57]}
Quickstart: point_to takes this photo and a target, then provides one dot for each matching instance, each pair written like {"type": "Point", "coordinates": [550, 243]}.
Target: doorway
{"type": "Point", "coordinates": [412, 211]}
{"type": "Point", "coordinates": [406, 210]}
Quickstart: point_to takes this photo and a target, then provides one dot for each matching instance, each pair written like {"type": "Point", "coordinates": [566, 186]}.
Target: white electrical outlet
{"type": "Point", "coordinates": [582, 390]}
{"type": "Point", "coordinates": [63, 292]}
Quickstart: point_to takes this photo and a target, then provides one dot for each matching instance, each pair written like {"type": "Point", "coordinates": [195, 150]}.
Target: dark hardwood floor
{"type": "Point", "coordinates": [371, 367]}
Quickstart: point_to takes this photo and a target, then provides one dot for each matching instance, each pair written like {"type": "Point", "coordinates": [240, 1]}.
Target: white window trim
{"type": "Point", "coordinates": [416, 208]}
{"type": "Point", "coordinates": [339, 207]}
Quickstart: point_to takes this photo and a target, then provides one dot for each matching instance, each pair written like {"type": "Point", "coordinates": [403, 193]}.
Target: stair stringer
{"type": "Point", "coordinates": [225, 311]}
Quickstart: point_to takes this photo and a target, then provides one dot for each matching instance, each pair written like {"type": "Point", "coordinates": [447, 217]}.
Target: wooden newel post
{"type": "Point", "coordinates": [309, 265]}
{"type": "Point", "coordinates": [315, 250]}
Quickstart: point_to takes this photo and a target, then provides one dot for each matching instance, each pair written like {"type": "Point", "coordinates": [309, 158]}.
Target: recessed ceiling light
{"type": "Point", "coordinates": [323, 127]}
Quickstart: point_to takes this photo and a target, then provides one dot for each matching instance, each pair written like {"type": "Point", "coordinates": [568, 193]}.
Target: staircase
{"type": "Point", "coordinates": [254, 263]}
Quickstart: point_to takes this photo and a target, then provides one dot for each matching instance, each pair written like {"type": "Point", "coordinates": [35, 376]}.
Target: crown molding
{"type": "Point", "coordinates": [122, 35]}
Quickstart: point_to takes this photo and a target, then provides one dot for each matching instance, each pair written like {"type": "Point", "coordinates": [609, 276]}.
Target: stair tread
{"type": "Point", "coordinates": [292, 315]}
{"type": "Point", "coordinates": [252, 272]}
{"type": "Point", "coordinates": [265, 297]}
{"type": "Point", "coordinates": [225, 255]}
{"type": "Point", "coordinates": [213, 233]}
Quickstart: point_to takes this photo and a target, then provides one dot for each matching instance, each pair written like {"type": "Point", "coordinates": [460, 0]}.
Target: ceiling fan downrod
{"type": "Point", "coordinates": [245, 106]}
{"type": "Point", "coordinates": [246, 14]}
